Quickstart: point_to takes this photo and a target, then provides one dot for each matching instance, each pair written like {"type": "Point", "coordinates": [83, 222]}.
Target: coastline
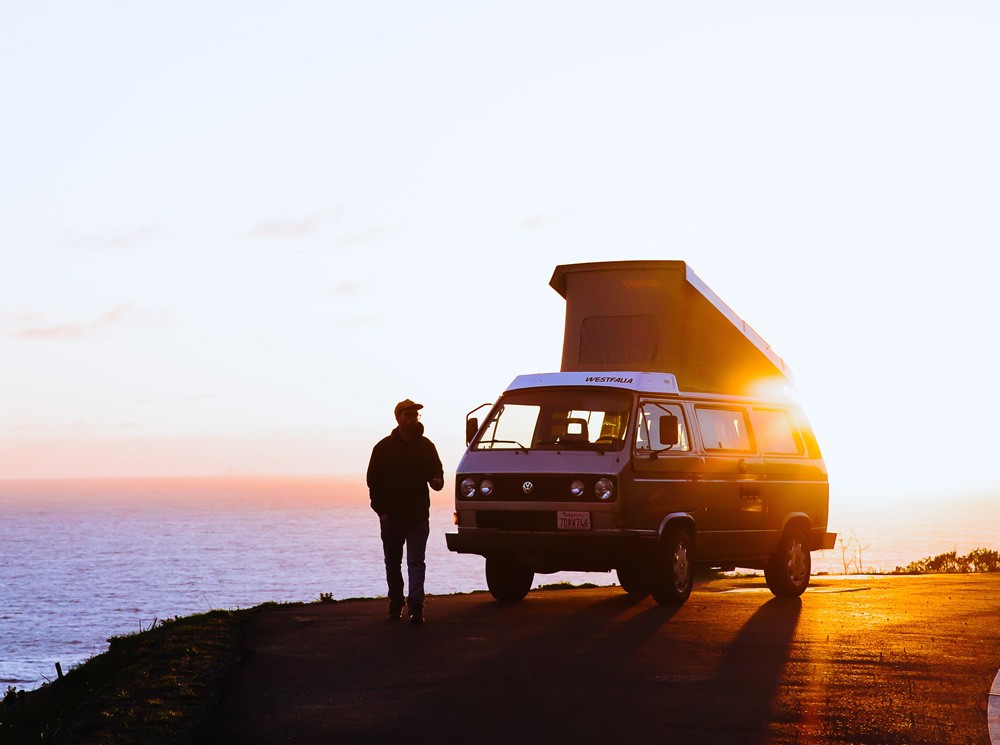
{"type": "Point", "coordinates": [191, 676]}
{"type": "Point", "coordinates": [109, 556]}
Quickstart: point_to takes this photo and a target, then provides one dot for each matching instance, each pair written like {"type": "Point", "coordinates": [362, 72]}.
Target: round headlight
{"type": "Point", "coordinates": [603, 489]}
{"type": "Point", "coordinates": [576, 488]}
{"type": "Point", "coordinates": [486, 488]}
{"type": "Point", "coordinates": [468, 488]}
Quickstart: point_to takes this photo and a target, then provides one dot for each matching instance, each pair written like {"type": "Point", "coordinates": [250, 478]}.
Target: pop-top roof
{"type": "Point", "coordinates": [659, 315]}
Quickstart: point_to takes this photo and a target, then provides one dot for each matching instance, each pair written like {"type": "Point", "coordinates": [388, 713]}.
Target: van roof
{"type": "Point", "coordinates": [659, 315]}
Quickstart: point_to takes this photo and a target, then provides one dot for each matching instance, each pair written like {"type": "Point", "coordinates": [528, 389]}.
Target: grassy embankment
{"type": "Point", "coordinates": [155, 686]}
{"type": "Point", "coordinates": [160, 684]}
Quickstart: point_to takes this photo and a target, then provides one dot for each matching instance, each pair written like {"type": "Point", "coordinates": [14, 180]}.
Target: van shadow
{"type": "Point", "coordinates": [569, 677]}
{"type": "Point", "coordinates": [618, 670]}
{"type": "Point", "coordinates": [750, 672]}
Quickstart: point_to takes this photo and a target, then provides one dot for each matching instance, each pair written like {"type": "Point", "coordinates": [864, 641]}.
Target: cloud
{"type": "Point", "coordinates": [28, 318]}
{"type": "Point", "coordinates": [358, 239]}
{"type": "Point", "coordinates": [349, 324]}
{"type": "Point", "coordinates": [347, 289]}
{"type": "Point", "coordinates": [539, 221]}
{"type": "Point", "coordinates": [315, 222]}
{"type": "Point", "coordinates": [120, 241]}
{"type": "Point", "coordinates": [200, 397]}
{"type": "Point", "coordinates": [295, 228]}
{"type": "Point", "coordinates": [364, 237]}
{"type": "Point", "coordinates": [75, 331]}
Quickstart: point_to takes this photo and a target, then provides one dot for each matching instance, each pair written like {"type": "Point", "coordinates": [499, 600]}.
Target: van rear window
{"type": "Point", "coordinates": [775, 432]}
{"type": "Point", "coordinates": [724, 429]}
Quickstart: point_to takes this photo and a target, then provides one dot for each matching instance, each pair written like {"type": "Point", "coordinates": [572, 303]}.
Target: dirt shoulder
{"type": "Point", "coordinates": [855, 660]}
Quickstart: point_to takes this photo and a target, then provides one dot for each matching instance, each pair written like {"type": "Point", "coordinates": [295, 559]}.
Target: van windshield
{"type": "Point", "coordinates": [557, 419]}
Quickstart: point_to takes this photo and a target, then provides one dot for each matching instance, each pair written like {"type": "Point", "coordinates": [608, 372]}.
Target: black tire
{"type": "Point", "coordinates": [508, 581]}
{"type": "Point", "coordinates": [635, 579]}
{"type": "Point", "coordinates": [787, 573]}
{"type": "Point", "coordinates": [673, 568]}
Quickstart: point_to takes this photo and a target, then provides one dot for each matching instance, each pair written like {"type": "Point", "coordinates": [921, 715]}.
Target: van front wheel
{"type": "Point", "coordinates": [508, 581]}
{"type": "Point", "coordinates": [673, 568]}
{"type": "Point", "coordinates": [787, 573]}
{"type": "Point", "coordinates": [634, 579]}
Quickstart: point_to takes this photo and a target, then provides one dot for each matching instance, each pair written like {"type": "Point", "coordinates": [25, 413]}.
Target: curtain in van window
{"type": "Point", "coordinates": [723, 429]}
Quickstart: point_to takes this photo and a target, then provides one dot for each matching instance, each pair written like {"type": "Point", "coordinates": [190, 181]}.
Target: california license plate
{"type": "Point", "coordinates": [573, 520]}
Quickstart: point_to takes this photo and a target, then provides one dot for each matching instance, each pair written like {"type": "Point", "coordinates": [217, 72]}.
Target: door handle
{"type": "Point", "coordinates": [750, 466]}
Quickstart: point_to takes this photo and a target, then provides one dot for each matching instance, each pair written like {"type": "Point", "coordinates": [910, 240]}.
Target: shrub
{"type": "Point", "coordinates": [978, 560]}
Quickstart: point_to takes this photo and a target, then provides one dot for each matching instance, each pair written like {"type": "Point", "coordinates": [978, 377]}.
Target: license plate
{"type": "Point", "coordinates": [573, 520]}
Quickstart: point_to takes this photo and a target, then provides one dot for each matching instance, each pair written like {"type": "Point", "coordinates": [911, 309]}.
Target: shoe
{"type": "Point", "coordinates": [416, 616]}
{"type": "Point", "coordinates": [395, 611]}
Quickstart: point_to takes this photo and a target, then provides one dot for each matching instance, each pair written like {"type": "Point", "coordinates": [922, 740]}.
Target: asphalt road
{"type": "Point", "coordinates": [855, 660]}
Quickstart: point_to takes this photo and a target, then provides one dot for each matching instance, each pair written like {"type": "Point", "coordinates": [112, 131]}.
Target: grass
{"type": "Point", "coordinates": [155, 686]}
{"type": "Point", "coordinates": [566, 586]}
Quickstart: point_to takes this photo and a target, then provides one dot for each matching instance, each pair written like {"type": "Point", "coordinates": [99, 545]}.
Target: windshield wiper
{"type": "Point", "coordinates": [508, 442]}
{"type": "Point", "coordinates": [575, 445]}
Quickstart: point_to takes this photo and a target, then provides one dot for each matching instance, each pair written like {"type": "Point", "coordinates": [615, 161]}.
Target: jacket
{"type": "Point", "coordinates": [398, 473]}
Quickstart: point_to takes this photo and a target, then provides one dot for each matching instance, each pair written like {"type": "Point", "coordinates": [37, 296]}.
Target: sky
{"type": "Point", "coordinates": [234, 235]}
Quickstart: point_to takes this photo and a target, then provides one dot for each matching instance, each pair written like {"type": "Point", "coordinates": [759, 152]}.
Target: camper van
{"type": "Point", "coordinates": [668, 441]}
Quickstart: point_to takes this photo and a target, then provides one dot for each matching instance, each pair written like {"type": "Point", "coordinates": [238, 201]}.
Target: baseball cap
{"type": "Point", "coordinates": [406, 404]}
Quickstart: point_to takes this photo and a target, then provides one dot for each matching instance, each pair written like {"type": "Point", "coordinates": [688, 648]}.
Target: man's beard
{"type": "Point", "coordinates": [412, 429]}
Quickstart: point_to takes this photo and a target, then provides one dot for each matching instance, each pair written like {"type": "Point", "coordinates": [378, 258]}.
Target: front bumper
{"type": "Point", "coordinates": [584, 552]}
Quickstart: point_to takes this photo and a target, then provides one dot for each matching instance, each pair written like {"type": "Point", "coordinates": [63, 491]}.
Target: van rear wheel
{"type": "Point", "coordinates": [508, 581]}
{"type": "Point", "coordinates": [787, 572]}
{"type": "Point", "coordinates": [673, 568]}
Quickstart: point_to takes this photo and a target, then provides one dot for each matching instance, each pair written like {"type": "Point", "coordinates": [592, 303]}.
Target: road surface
{"type": "Point", "coordinates": [854, 660]}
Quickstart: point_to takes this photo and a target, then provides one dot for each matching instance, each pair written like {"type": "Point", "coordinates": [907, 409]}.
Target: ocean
{"type": "Point", "coordinates": [83, 560]}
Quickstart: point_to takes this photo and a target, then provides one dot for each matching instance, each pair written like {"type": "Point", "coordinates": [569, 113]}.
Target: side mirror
{"type": "Point", "coordinates": [669, 430]}
{"type": "Point", "coordinates": [471, 427]}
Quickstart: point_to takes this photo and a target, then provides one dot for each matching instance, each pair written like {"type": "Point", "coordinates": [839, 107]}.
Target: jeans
{"type": "Point", "coordinates": [394, 535]}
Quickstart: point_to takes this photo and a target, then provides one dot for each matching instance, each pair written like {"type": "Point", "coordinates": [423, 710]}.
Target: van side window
{"type": "Point", "coordinates": [776, 433]}
{"type": "Point", "coordinates": [647, 429]}
{"type": "Point", "coordinates": [724, 429]}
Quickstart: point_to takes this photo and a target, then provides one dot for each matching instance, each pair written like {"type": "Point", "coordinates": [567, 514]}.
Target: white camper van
{"type": "Point", "coordinates": [666, 442]}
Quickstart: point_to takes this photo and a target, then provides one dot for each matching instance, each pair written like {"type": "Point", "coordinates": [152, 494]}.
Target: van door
{"type": "Point", "coordinates": [666, 477]}
{"type": "Point", "coordinates": [736, 522]}
{"type": "Point", "coordinates": [796, 482]}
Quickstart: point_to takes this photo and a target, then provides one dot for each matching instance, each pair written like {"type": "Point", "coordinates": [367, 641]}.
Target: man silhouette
{"type": "Point", "coordinates": [401, 467]}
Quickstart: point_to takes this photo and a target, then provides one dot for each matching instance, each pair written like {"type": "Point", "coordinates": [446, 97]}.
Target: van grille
{"type": "Point", "coordinates": [516, 520]}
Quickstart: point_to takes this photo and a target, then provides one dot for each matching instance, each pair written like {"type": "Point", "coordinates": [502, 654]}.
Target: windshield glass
{"type": "Point", "coordinates": [558, 419]}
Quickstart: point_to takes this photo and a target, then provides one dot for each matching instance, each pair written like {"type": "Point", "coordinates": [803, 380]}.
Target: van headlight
{"type": "Point", "coordinates": [486, 487]}
{"type": "Point", "coordinates": [604, 489]}
{"type": "Point", "coordinates": [576, 488]}
{"type": "Point", "coordinates": [468, 488]}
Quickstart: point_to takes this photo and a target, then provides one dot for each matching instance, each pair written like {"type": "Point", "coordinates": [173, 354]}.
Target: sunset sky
{"type": "Point", "coordinates": [233, 235]}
